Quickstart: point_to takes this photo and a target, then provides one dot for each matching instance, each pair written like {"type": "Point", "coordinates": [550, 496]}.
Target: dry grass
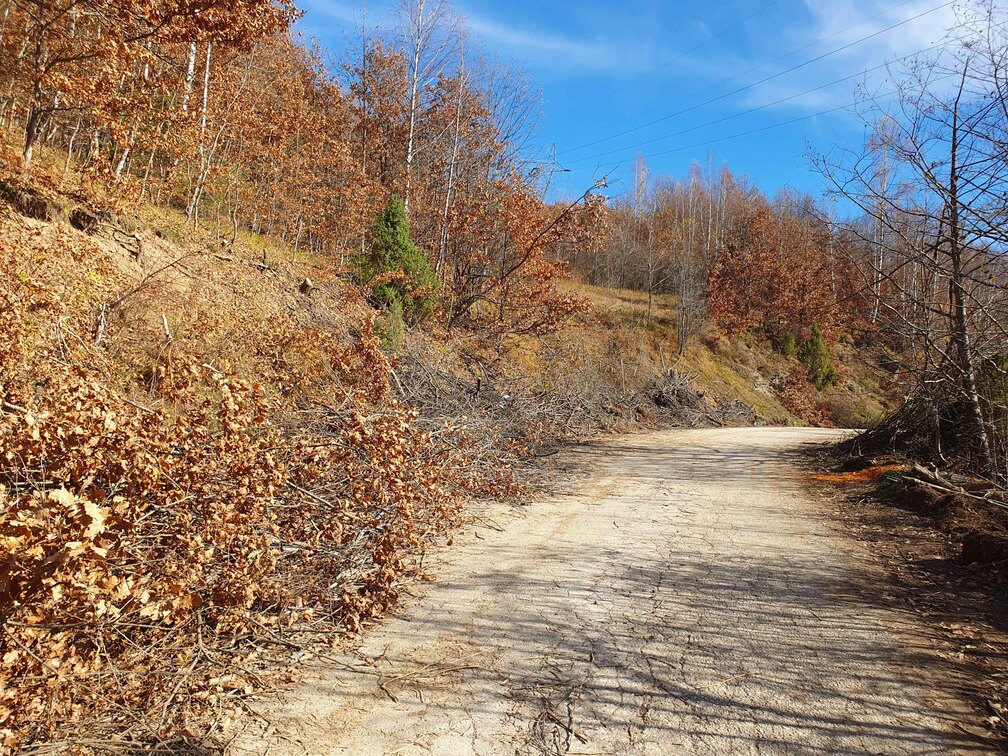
{"type": "Point", "coordinates": [742, 369]}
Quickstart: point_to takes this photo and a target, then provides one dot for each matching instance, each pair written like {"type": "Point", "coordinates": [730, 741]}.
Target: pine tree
{"type": "Point", "coordinates": [396, 270]}
{"type": "Point", "coordinates": [815, 355]}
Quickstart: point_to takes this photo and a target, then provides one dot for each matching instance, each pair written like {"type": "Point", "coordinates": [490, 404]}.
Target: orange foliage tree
{"type": "Point", "coordinates": [215, 108]}
{"type": "Point", "coordinates": [93, 57]}
{"type": "Point", "coordinates": [773, 275]}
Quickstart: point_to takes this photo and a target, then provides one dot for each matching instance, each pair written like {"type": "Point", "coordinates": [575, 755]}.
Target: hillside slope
{"type": "Point", "coordinates": [223, 439]}
{"type": "Point", "coordinates": [744, 372]}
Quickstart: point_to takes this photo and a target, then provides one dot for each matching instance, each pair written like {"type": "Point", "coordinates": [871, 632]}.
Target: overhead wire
{"type": "Point", "coordinates": [741, 22]}
{"type": "Point", "coordinates": [777, 75]}
{"type": "Point", "coordinates": [738, 135]}
{"type": "Point", "coordinates": [751, 110]}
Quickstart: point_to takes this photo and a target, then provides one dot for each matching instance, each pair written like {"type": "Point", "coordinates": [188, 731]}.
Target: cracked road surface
{"type": "Point", "coordinates": [688, 596]}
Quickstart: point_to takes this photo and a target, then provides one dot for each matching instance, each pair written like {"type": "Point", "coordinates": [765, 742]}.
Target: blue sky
{"type": "Point", "coordinates": [611, 67]}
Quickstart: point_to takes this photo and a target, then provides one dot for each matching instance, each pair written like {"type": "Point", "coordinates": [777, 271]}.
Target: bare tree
{"type": "Point", "coordinates": [430, 31]}
{"type": "Point", "coordinates": [453, 162]}
{"type": "Point", "coordinates": [934, 224]}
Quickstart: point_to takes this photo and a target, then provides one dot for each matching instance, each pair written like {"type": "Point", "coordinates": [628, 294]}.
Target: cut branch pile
{"type": "Point", "coordinates": [926, 428]}
{"type": "Point", "coordinates": [172, 533]}
{"type": "Point", "coordinates": [128, 533]}
{"type": "Point", "coordinates": [531, 412]}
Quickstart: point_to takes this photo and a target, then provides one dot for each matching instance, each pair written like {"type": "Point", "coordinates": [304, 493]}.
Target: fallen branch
{"type": "Point", "coordinates": [955, 491]}
{"type": "Point", "coordinates": [570, 729]}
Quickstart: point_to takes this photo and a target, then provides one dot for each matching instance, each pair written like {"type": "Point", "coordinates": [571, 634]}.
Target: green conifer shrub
{"type": "Point", "coordinates": [396, 270]}
{"type": "Point", "coordinates": [815, 356]}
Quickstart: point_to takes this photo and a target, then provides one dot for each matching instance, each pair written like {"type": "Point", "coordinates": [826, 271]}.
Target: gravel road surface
{"type": "Point", "coordinates": [688, 594]}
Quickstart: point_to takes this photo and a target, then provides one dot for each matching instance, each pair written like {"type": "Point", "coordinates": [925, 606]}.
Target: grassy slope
{"type": "Point", "coordinates": [742, 368]}
{"type": "Point", "coordinates": [216, 296]}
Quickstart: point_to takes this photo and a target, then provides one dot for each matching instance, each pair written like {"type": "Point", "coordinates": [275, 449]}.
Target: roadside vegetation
{"type": "Point", "coordinates": [930, 184]}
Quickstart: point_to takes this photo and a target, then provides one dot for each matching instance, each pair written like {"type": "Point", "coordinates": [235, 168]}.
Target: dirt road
{"type": "Point", "coordinates": [691, 596]}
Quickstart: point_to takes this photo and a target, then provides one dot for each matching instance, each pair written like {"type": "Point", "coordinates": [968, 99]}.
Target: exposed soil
{"type": "Point", "coordinates": [688, 594]}
{"type": "Point", "coordinates": [945, 557]}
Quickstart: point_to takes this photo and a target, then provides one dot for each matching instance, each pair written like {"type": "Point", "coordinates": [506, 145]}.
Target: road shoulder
{"type": "Point", "coordinates": [965, 604]}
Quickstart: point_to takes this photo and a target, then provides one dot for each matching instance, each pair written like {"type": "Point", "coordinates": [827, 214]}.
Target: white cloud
{"type": "Point", "coordinates": [920, 26]}
{"type": "Point", "coordinates": [871, 33]}
{"type": "Point", "coordinates": [543, 49]}
{"type": "Point", "coordinates": [557, 51]}
{"type": "Point", "coordinates": [332, 10]}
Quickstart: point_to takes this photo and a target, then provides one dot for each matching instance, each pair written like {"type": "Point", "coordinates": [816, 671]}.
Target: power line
{"type": "Point", "coordinates": [707, 41]}
{"type": "Point", "coordinates": [786, 71]}
{"type": "Point", "coordinates": [739, 134]}
{"type": "Point", "coordinates": [875, 100]}
{"type": "Point", "coordinates": [750, 110]}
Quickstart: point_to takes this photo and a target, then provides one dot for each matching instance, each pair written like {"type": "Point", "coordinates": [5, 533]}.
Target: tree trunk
{"type": "Point", "coordinates": [364, 106]}
{"type": "Point", "coordinates": [33, 124]}
{"type": "Point", "coordinates": [190, 77]}
{"type": "Point", "coordinates": [70, 145]}
{"type": "Point", "coordinates": [960, 318]}
{"type": "Point", "coordinates": [443, 249]}
{"type": "Point", "coordinates": [414, 84]}
{"type": "Point", "coordinates": [192, 211]}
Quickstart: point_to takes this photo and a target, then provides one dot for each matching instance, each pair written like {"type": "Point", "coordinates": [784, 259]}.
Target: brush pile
{"type": "Point", "coordinates": [171, 531]}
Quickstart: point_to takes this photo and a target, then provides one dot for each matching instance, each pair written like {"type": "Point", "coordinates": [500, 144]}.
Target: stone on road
{"type": "Point", "coordinates": [688, 596]}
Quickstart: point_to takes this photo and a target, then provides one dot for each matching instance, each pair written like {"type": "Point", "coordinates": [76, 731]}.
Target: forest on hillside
{"type": "Point", "coordinates": [254, 469]}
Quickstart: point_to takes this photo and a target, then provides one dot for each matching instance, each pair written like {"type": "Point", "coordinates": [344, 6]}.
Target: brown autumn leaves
{"type": "Point", "coordinates": [169, 534]}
